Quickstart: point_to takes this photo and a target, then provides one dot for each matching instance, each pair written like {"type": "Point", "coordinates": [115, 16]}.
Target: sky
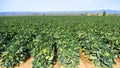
{"type": "Point", "coordinates": [58, 5]}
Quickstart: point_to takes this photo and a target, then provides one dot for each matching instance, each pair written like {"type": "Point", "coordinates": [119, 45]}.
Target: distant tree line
{"type": "Point", "coordinates": [104, 13]}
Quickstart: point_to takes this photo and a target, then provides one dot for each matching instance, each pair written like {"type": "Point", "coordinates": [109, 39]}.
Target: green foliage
{"type": "Point", "coordinates": [17, 50]}
{"type": "Point", "coordinates": [98, 52]}
{"type": "Point", "coordinates": [47, 38]}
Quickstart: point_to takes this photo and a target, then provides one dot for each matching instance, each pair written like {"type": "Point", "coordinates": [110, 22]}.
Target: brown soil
{"type": "Point", "coordinates": [117, 65]}
{"type": "Point", "coordinates": [27, 64]}
{"type": "Point", "coordinates": [57, 65]}
{"type": "Point", "coordinates": [0, 62]}
{"type": "Point", "coordinates": [85, 63]}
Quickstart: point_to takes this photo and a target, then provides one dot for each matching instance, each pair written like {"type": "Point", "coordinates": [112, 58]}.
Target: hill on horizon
{"type": "Point", "coordinates": [22, 13]}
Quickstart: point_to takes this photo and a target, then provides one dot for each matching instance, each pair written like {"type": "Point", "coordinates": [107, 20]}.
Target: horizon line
{"type": "Point", "coordinates": [64, 10]}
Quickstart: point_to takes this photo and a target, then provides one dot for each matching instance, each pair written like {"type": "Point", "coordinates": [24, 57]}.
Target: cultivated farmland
{"type": "Point", "coordinates": [50, 38]}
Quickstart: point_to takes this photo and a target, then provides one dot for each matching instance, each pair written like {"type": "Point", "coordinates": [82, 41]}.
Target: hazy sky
{"type": "Point", "coordinates": [58, 5]}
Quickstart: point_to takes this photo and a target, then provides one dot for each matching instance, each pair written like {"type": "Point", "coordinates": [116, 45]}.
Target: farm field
{"type": "Point", "coordinates": [51, 39]}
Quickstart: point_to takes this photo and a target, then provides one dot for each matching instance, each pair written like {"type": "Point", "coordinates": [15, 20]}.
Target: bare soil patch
{"type": "Point", "coordinates": [0, 62]}
{"type": "Point", "coordinates": [27, 64]}
{"type": "Point", "coordinates": [117, 65]}
{"type": "Point", "coordinates": [84, 63]}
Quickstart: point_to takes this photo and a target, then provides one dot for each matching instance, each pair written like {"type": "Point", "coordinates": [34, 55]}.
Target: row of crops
{"type": "Point", "coordinates": [48, 38]}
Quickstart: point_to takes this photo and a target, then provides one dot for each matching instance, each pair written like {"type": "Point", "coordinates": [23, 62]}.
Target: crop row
{"type": "Point", "coordinates": [51, 38]}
